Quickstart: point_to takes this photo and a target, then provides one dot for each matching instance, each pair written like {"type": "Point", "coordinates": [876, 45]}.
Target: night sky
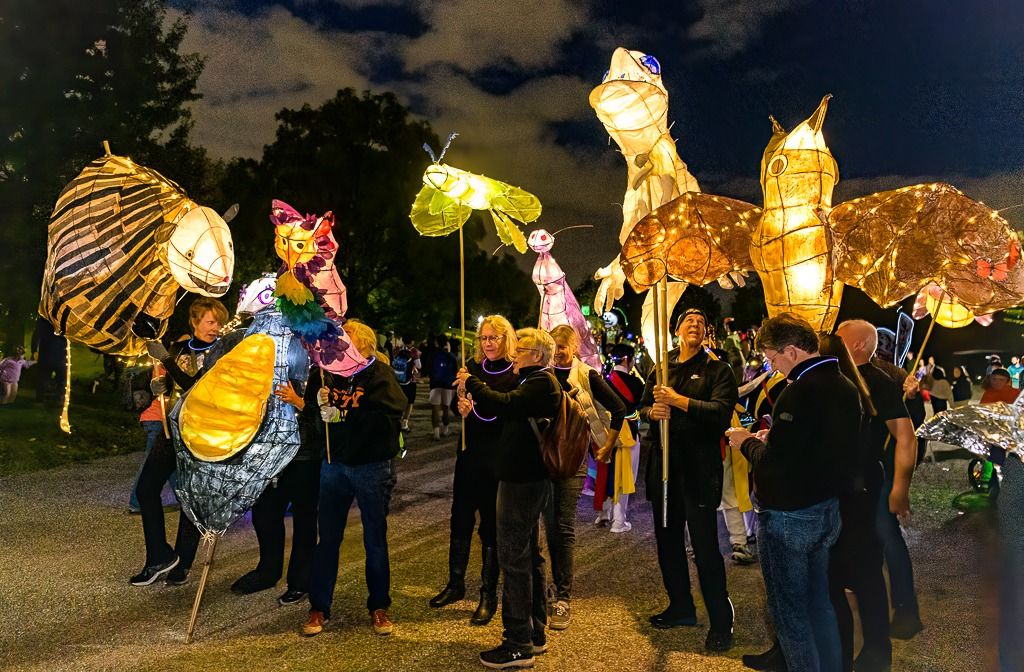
{"type": "Point", "coordinates": [924, 90]}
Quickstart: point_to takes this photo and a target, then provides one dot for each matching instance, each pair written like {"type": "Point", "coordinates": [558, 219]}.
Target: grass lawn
{"type": "Point", "coordinates": [30, 438]}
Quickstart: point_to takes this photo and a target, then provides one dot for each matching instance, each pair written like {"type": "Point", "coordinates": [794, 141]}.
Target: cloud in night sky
{"type": "Point", "coordinates": [920, 89]}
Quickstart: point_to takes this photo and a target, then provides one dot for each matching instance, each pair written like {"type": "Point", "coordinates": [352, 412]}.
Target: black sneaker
{"type": "Point", "coordinates": [151, 573]}
{"type": "Point", "coordinates": [718, 641]}
{"type": "Point", "coordinates": [178, 576]}
{"type": "Point", "coordinates": [251, 583]}
{"type": "Point", "coordinates": [291, 596]}
{"type": "Point", "coordinates": [672, 619]}
{"type": "Point", "coordinates": [540, 646]}
{"type": "Point", "coordinates": [505, 658]}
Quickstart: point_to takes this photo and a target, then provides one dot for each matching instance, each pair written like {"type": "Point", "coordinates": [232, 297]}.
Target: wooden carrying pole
{"type": "Point", "coordinates": [210, 541]}
{"type": "Point", "coordinates": [462, 319]}
{"type": "Point", "coordinates": [662, 425]}
{"type": "Point", "coordinates": [666, 330]}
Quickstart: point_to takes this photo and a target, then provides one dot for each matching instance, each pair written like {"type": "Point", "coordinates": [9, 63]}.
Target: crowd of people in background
{"type": "Point", "coordinates": [804, 441]}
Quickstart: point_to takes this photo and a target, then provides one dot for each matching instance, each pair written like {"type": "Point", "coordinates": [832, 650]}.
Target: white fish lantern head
{"type": "Point", "coordinates": [632, 102]}
{"type": "Point", "coordinates": [257, 295]}
{"type": "Point", "coordinates": [540, 241]}
{"type": "Point", "coordinates": [200, 253]}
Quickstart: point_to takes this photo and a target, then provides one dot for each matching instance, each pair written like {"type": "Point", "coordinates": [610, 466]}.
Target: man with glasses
{"type": "Point", "coordinates": [698, 403]}
{"type": "Point", "coordinates": [801, 465]}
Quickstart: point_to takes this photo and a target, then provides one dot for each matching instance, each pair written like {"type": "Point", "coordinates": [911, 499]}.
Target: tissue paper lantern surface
{"type": "Point", "coordinates": [122, 239]}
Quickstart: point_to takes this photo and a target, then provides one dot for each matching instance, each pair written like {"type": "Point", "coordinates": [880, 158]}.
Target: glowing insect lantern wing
{"type": "Point", "coordinates": [959, 254]}
{"type": "Point", "coordinates": [310, 293]}
{"type": "Point", "coordinates": [449, 195]}
{"type": "Point", "coordinates": [122, 239]}
{"type": "Point", "coordinates": [558, 305]}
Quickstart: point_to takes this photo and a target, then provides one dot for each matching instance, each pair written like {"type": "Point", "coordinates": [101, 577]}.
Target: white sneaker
{"type": "Point", "coordinates": [447, 430]}
{"type": "Point", "coordinates": [601, 520]}
{"type": "Point", "coordinates": [405, 425]}
{"type": "Point", "coordinates": [619, 528]}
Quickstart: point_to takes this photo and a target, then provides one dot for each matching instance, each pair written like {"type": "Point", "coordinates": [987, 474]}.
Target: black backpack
{"type": "Point", "coordinates": [135, 393]}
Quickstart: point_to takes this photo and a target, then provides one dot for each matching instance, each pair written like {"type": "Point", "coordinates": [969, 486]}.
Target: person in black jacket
{"type": "Point", "coordinates": [606, 412]}
{"type": "Point", "coordinates": [698, 403]}
{"type": "Point", "coordinates": [475, 487]}
{"type": "Point", "coordinates": [523, 491]}
{"type": "Point", "coordinates": [801, 465]}
{"type": "Point", "coordinates": [184, 363]}
{"type": "Point", "coordinates": [362, 412]}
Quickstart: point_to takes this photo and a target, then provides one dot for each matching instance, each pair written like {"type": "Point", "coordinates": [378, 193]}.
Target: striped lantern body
{"type": "Point", "coordinates": [107, 255]}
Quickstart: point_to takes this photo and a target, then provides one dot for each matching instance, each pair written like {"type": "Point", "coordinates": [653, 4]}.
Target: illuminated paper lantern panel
{"type": "Point", "coordinates": [790, 244]}
{"type": "Point", "coordinates": [696, 238]}
{"type": "Point", "coordinates": [894, 242]}
{"type": "Point", "coordinates": [223, 411]}
{"type": "Point", "coordinates": [632, 102]}
{"type": "Point", "coordinates": [122, 240]}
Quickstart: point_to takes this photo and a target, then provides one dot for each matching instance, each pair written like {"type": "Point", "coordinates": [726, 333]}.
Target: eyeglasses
{"type": "Point", "coordinates": [491, 339]}
{"type": "Point", "coordinates": [520, 351]}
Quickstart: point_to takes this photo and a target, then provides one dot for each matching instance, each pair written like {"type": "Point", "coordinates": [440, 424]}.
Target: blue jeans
{"type": "Point", "coordinates": [894, 547]}
{"type": "Point", "coordinates": [370, 486]}
{"type": "Point", "coordinates": [153, 429]}
{"type": "Point", "coordinates": [794, 548]}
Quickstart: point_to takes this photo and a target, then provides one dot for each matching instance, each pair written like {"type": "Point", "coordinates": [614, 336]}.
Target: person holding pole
{"type": "Point", "coordinates": [697, 401]}
{"type": "Point", "coordinates": [362, 413]}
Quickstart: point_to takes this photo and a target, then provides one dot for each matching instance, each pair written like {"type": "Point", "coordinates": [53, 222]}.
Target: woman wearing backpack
{"type": "Point", "coordinates": [605, 412]}
{"type": "Point", "coordinates": [475, 487]}
{"type": "Point", "coordinates": [523, 490]}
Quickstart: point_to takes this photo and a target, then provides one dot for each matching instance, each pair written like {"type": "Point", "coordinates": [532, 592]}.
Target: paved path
{"type": "Point", "coordinates": [67, 548]}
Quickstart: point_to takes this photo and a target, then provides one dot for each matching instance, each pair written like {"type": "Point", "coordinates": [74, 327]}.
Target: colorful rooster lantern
{"type": "Point", "coordinates": [890, 244]}
{"type": "Point", "coordinates": [122, 240]}
{"type": "Point", "coordinates": [449, 195]}
{"type": "Point", "coordinates": [558, 305]}
{"type": "Point", "coordinates": [309, 291]}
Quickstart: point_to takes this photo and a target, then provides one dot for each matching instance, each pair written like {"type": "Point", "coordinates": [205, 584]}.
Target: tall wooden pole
{"type": "Point", "coordinates": [462, 318]}
{"type": "Point", "coordinates": [666, 331]}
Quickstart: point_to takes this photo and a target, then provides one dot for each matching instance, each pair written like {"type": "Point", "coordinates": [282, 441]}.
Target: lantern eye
{"type": "Point", "coordinates": [299, 246]}
{"type": "Point", "coordinates": [651, 63]}
{"type": "Point", "coordinates": [777, 166]}
{"type": "Point", "coordinates": [188, 255]}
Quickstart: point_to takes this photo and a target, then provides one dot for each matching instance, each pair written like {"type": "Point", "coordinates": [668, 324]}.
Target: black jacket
{"type": "Point", "coordinates": [483, 431]}
{"type": "Point", "coordinates": [371, 402]}
{"type": "Point", "coordinates": [814, 443]}
{"type": "Point", "coordinates": [695, 436]}
{"type": "Point", "coordinates": [537, 396]}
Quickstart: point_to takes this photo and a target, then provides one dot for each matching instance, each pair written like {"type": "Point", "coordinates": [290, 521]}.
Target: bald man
{"type": "Point", "coordinates": [894, 444]}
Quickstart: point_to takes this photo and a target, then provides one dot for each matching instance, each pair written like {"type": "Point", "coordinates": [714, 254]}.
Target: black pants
{"type": "Point", "coordinates": [475, 489]}
{"type": "Point", "coordinates": [560, 531]}
{"type": "Point", "coordinates": [856, 563]}
{"type": "Point", "coordinates": [675, 572]}
{"type": "Point", "coordinates": [298, 484]}
{"type": "Point", "coordinates": [155, 471]}
{"type": "Point", "coordinates": [523, 607]}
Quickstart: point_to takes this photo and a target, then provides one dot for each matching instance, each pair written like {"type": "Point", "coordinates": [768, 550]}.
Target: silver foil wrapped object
{"type": "Point", "coordinates": [979, 428]}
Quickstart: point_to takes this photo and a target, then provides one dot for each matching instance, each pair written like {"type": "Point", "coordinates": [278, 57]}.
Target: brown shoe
{"type": "Point", "coordinates": [382, 625]}
{"type": "Point", "coordinates": [315, 625]}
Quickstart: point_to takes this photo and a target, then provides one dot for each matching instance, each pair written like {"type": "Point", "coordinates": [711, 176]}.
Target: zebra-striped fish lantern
{"type": "Point", "coordinates": [122, 240]}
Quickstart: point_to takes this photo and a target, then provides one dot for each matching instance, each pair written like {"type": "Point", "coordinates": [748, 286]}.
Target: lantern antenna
{"type": "Point", "coordinates": [427, 148]}
{"type": "Point", "coordinates": [447, 144]}
{"type": "Point", "coordinates": [106, 148]}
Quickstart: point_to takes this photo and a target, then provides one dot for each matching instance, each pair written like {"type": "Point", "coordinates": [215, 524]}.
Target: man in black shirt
{"type": "Point", "coordinates": [898, 459]}
{"type": "Point", "coordinates": [698, 403]}
{"type": "Point", "coordinates": [801, 465]}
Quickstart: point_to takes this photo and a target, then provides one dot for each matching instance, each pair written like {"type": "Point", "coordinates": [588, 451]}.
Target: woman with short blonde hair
{"type": "Point", "coordinates": [475, 487]}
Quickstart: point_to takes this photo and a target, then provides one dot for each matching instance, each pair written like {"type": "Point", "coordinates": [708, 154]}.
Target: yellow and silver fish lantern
{"type": "Point", "coordinates": [632, 102]}
{"type": "Point", "coordinates": [122, 240]}
{"type": "Point", "coordinates": [791, 245]}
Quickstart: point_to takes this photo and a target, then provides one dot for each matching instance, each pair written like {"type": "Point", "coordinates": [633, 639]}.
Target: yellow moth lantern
{"type": "Point", "coordinates": [890, 244]}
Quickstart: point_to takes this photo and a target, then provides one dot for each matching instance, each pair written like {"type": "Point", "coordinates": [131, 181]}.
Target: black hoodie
{"type": "Point", "coordinates": [371, 403]}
